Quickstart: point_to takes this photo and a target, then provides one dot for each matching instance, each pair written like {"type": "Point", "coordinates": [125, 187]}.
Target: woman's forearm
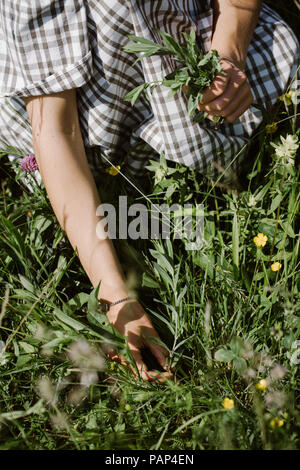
{"type": "Point", "coordinates": [234, 23]}
{"type": "Point", "coordinates": [71, 189]}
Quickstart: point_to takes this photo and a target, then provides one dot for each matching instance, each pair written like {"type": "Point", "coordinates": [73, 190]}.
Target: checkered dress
{"type": "Point", "coordinates": [47, 46]}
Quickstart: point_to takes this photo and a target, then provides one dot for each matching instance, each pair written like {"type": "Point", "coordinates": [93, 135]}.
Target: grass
{"type": "Point", "coordinates": [229, 321]}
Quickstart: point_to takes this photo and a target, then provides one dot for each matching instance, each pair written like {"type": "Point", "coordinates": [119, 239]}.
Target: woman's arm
{"type": "Point", "coordinates": [64, 168]}
{"type": "Point", "coordinates": [234, 22]}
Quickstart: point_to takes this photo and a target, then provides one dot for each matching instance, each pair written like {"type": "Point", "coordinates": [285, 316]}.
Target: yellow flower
{"type": "Point", "coordinates": [287, 98]}
{"type": "Point", "coordinates": [228, 403]}
{"type": "Point", "coordinates": [113, 170]}
{"type": "Point", "coordinates": [276, 266]}
{"type": "Point", "coordinates": [262, 385]}
{"type": "Point", "coordinates": [276, 422]}
{"type": "Point", "coordinates": [127, 407]}
{"type": "Point", "coordinates": [271, 128]}
{"type": "Point", "coordinates": [260, 239]}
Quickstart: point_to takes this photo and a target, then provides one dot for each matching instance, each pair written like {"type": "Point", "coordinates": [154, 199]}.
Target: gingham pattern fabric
{"type": "Point", "coordinates": [47, 46]}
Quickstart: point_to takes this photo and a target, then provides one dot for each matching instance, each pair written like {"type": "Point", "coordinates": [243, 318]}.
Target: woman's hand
{"type": "Point", "coordinates": [130, 319]}
{"type": "Point", "coordinates": [229, 96]}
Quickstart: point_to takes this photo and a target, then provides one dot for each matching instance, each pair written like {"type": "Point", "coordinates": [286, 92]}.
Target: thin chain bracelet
{"type": "Point", "coordinates": [106, 306]}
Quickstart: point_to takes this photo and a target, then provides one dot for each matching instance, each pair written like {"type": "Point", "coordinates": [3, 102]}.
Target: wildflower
{"type": "Point", "coordinates": [228, 403]}
{"type": "Point", "coordinates": [276, 422]}
{"type": "Point", "coordinates": [271, 128]}
{"type": "Point", "coordinates": [262, 385]}
{"type": "Point", "coordinates": [276, 331]}
{"type": "Point", "coordinates": [275, 399]}
{"type": "Point", "coordinates": [113, 170]}
{"type": "Point", "coordinates": [76, 395]}
{"type": "Point", "coordinates": [249, 374]}
{"type": "Point", "coordinates": [260, 239]}
{"type": "Point", "coordinates": [252, 201]}
{"type": "Point", "coordinates": [59, 421]}
{"type": "Point", "coordinates": [276, 266]}
{"type": "Point", "coordinates": [46, 390]}
{"type": "Point", "coordinates": [29, 164]}
{"type": "Point", "coordinates": [127, 407]}
{"type": "Point", "coordinates": [278, 372]}
{"type": "Point", "coordinates": [88, 377]}
{"type": "Point", "coordinates": [287, 98]}
{"type": "Point", "coordinates": [288, 147]}
{"type": "Point", "coordinates": [84, 356]}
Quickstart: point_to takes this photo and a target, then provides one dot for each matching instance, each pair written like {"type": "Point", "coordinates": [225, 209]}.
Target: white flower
{"type": "Point", "coordinates": [295, 95]}
{"type": "Point", "coordinates": [287, 148]}
{"type": "Point", "coordinates": [252, 201]}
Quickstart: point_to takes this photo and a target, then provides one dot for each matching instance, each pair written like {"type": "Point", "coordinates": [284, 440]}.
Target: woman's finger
{"type": "Point", "coordinates": [233, 94]}
{"type": "Point", "coordinates": [235, 110]}
{"type": "Point", "coordinates": [236, 86]}
{"type": "Point", "coordinates": [240, 102]}
{"type": "Point", "coordinates": [240, 110]}
{"type": "Point", "coordinates": [159, 376]}
{"type": "Point", "coordinates": [159, 352]}
{"type": "Point", "coordinates": [141, 366]}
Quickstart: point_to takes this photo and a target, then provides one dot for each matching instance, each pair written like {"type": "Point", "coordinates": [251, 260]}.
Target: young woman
{"type": "Point", "coordinates": [63, 78]}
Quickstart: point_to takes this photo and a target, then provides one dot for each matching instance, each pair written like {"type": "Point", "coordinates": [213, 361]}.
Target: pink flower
{"type": "Point", "coordinates": [29, 163]}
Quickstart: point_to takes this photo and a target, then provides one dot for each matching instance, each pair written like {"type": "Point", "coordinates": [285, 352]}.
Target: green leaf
{"type": "Point", "coordinates": [162, 273]}
{"type": "Point", "coordinates": [206, 263]}
{"type": "Point", "coordinates": [192, 105]}
{"type": "Point", "coordinates": [288, 229]}
{"type": "Point", "coordinates": [224, 355]}
{"type": "Point", "coordinates": [239, 364]}
{"type": "Point", "coordinates": [74, 324]}
{"type": "Point", "coordinates": [98, 319]}
{"type": "Point", "coordinates": [78, 301]}
{"type": "Point", "coordinates": [149, 282]}
{"type": "Point", "coordinates": [235, 240]}
{"type": "Point", "coordinates": [27, 284]}
{"type": "Point", "coordinates": [93, 302]}
{"type": "Point", "coordinates": [163, 261]}
{"type": "Point", "coordinates": [134, 95]}
{"type": "Point", "coordinates": [28, 348]}
{"type": "Point", "coordinates": [144, 46]}
{"type": "Point", "coordinates": [57, 342]}
{"type": "Point", "coordinates": [23, 359]}
{"type": "Point", "coordinates": [275, 203]}
{"type": "Point", "coordinates": [172, 45]}
{"type": "Point", "coordinates": [38, 408]}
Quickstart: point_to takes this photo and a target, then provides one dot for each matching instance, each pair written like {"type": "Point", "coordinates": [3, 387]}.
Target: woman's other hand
{"type": "Point", "coordinates": [229, 96]}
{"type": "Point", "coordinates": [131, 321]}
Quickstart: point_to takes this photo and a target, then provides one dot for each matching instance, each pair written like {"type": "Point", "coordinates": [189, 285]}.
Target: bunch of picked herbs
{"type": "Point", "coordinates": [197, 72]}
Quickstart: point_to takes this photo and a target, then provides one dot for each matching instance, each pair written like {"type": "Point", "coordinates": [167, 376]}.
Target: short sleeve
{"type": "Point", "coordinates": [44, 46]}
